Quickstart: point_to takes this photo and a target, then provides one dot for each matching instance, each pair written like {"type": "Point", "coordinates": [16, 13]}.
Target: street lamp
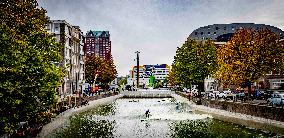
{"type": "Point", "coordinates": [76, 90]}
{"type": "Point", "coordinates": [137, 70]}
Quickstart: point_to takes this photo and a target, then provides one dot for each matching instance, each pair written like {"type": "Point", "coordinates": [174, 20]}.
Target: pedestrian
{"type": "Point", "coordinates": [147, 113]}
{"type": "Point", "coordinates": [189, 95]}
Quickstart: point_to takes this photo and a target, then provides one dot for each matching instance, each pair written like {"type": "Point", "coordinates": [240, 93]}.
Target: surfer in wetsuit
{"type": "Point", "coordinates": [147, 113]}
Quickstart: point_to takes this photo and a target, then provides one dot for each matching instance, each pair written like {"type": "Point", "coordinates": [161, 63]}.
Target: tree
{"type": "Point", "coordinates": [102, 70]}
{"type": "Point", "coordinates": [109, 72]}
{"type": "Point", "coordinates": [249, 55]}
{"type": "Point", "coordinates": [28, 74]}
{"type": "Point", "coordinates": [171, 78]}
{"type": "Point", "coordinates": [193, 62]}
{"type": "Point", "coordinates": [166, 81]}
{"type": "Point", "coordinates": [94, 66]}
{"type": "Point", "coordinates": [123, 81]}
{"type": "Point", "coordinates": [158, 84]}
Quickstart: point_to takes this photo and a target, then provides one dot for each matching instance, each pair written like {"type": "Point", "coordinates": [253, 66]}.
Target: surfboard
{"type": "Point", "coordinates": [146, 119]}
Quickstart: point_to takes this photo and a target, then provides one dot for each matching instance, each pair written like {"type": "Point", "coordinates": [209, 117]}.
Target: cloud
{"type": "Point", "coordinates": [157, 27]}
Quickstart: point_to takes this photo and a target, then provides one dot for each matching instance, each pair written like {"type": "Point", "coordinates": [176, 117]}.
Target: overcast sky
{"type": "Point", "coordinates": [157, 27]}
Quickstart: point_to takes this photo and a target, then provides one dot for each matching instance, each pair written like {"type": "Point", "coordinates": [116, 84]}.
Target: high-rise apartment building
{"type": "Point", "coordinates": [71, 37]}
{"type": "Point", "coordinates": [98, 43]}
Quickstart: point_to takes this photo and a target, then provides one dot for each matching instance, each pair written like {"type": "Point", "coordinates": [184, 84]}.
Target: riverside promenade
{"type": "Point", "coordinates": [247, 120]}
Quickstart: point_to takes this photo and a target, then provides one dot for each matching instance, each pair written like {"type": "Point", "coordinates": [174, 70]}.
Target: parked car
{"type": "Point", "coordinates": [240, 95]}
{"type": "Point", "coordinates": [225, 94]}
{"type": "Point", "coordinates": [213, 94]}
{"type": "Point", "coordinates": [127, 87]}
{"type": "Point", "coordinates": [276, 99]}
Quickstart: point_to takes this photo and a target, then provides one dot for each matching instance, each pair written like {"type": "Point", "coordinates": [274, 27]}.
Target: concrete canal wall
{"type": "Point", "coordinates": [268, 112]}
{"type": "Point", "coordinates": [63, 118]}
{"type": "Point", "coordinates": [238, 118]}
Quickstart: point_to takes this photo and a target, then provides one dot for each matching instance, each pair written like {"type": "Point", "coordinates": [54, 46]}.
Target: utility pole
{"type": "Point", "coordinates": [137, 69]}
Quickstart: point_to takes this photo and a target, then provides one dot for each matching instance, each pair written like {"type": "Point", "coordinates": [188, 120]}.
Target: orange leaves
{"type": "Point", "coordinates": [248, 55]}
{"type": "Point", "coordinates": [103, 69]}
{"type": "Point", "coordinates": [24, 16]}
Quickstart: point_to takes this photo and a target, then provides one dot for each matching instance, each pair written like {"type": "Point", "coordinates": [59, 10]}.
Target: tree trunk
{"type": "Point", "coordinates": [249, 88]}
{"type": "Point", "coordinates": [248, 85]}
{"type": "Point", "coordinates": [200, 89]}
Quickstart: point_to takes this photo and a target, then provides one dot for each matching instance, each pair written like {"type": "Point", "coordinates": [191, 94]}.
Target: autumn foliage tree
{"type": "Point", "coordinates": [28, 75]}
{"type": "Point", "coordinates": [249, 55]}
{"type": "Point", "coordinates": [93, 66]}
{"type": "Point", "coordinates": [172, 79]}
{"type": "Point", "coordinates": [100, 70]}
{"type": "Point", "coordinates": [109, 73]}
{"type": "Point", "coordinates": [193, 62]}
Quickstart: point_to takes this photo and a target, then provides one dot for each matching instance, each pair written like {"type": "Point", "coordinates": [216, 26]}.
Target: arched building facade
{"type": "Point", "coordinates": [221, 33]}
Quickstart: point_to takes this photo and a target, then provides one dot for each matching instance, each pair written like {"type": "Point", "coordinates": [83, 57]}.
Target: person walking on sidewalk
{"type": "Point", "coordinates": [189, 96]}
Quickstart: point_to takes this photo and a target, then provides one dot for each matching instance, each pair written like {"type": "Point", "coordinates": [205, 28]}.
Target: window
{"type": "Point", "coordinates": [208, 33]}
{"type": "Point", "coordinates": [56, 28]}
{"type": "Point", "coordinates": [201, 33]}
{"type": "Point", "coordinates": [197, 33]}
{"type": "Point", "coordinates": [217, 28]}
{"type": "Point", "coordinates": [48, 26]}
{"type": "Point", "coordinates": [214, 33]}
{"type": "Point", "coordinates": [225, 28]}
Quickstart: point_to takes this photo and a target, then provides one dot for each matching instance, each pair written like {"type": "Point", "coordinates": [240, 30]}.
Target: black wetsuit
{"type": "Point", "coordinates": [147, 113]}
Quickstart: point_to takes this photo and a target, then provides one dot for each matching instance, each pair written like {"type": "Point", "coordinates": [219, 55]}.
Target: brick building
{"type": "Point", "coordinates": [98, 43]}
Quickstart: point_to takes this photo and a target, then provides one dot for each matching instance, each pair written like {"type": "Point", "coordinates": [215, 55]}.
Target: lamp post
{"type": "Point", "coordinates": [76, 90]}
{"type": "Point", "coordinates": [137, 69]}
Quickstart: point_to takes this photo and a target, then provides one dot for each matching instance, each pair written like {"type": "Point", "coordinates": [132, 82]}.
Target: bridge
{"type": "Point", "coordinates": [148, 94]}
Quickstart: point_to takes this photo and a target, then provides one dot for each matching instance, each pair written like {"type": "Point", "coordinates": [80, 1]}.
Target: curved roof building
{"type": "Point", "coordinates": [222, 32]}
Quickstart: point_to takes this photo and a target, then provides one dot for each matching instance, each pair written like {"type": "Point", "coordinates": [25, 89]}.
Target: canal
{"type": "Point", "coordinates": [125, 118]}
